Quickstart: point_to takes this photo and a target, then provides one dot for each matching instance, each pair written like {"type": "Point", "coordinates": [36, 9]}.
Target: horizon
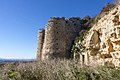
{"type": "Point", "coordinates": [20, 21]}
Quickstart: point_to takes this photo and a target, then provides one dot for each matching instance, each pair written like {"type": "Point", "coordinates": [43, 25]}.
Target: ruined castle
{"type": "Point", "coordinates": [56, 40]}
{"type": "Point", "coordinates": [102, 41]}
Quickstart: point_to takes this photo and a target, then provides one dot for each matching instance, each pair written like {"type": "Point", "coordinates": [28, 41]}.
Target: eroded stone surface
{"type": "Point", "coordinates": [105, 40]}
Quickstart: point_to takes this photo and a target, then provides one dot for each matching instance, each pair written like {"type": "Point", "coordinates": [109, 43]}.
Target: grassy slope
{"type": "Point", "coordinates": [57, 70]}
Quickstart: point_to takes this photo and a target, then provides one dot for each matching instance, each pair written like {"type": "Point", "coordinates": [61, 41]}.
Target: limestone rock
{"type": "Point", "coordinates": [104, 42]}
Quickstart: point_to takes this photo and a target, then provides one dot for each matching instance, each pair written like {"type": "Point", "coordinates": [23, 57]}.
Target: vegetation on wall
{"type": "Point", "coordinates": [78, 46]}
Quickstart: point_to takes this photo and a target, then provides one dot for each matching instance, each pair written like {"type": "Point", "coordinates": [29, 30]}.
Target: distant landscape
{"type": "Point", "coordinates": [2, 60]}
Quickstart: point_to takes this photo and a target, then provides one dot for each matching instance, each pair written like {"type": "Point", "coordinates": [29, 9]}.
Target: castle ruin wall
{"type": "Point", "coordinates": [59, 36]}
{"type": "Point", "coordinates": [41, 34]}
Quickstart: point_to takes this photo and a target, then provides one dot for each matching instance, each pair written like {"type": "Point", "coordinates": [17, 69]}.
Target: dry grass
{"type": "Point", "coordinates": [56, 70]}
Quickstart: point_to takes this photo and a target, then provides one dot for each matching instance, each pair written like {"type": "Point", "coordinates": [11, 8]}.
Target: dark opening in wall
{"type": "Point", "coordinates": [56, 43]}
{"type": "Point", "coordinates": [73, 21]}
{"type": "Point", "coordinates": [66, 21]}
{"type": "Point", "coordinates": [75, 24]}
{"type": "Point", "coordinates": [57, 32]}
{"type": "Point", "coordinates": [114, 29]}
{"type": "Point", "coordinates": [83, 58]}
{"type": "Point", "coordinates": [56, 23]}
{"type": "Point", "coordinates": [57, 48]}
{"type": "Point", "coordinates": [117, 8]}
{"type": "Point", "coordinates": [116, 20]}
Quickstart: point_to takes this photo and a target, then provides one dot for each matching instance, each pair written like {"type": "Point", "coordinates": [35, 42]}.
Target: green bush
{"type": "Point", "coordinates": [11, 74]}
{"type": "Point", "coordinates": [78, 46]}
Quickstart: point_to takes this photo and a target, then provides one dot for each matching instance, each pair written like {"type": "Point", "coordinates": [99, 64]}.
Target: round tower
{"type": "Point", "coordinates": [41, 34]}
{"type": "Point", "coordinates": [55, 39]}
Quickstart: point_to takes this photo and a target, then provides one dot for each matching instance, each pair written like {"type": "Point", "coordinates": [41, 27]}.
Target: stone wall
{"type": "Point", "coordinates": [72, 27]}
{"type": "Point", "coordinates": [59, 35]}
{"type": "Point", "coordinates": [41, 34]}
{"type": "Point", "coordinates": [55, 39]}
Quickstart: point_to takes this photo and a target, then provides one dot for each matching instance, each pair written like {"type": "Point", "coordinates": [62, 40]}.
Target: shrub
{"type": "Point", "coordinates": [78, 46]}
{"type": "Point", "coordinates": [57, 70]}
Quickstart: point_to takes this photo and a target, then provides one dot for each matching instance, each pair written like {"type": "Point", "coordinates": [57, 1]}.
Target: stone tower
{"type": "Point", "coordinates": [41, 34]}
{"type": "Point", "coordinates": [58, 38]}
{"type": "Point", "coordinates": [55, 40]}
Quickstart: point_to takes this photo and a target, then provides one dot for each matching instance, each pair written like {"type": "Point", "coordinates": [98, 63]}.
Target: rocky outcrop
{"type": "Point", "coordinates": [103, 40]}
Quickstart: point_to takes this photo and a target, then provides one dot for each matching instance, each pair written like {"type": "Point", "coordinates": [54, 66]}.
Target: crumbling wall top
{"type": "Point", "coordinates": [74, 18]}
{"type": "Point", "coordinates": [52, 19]}
{"type": "Point", "coordinates": [41, 30]}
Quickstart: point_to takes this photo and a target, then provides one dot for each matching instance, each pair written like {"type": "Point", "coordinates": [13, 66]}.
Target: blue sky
{"type": "Point", "coordinates": [21, 19]}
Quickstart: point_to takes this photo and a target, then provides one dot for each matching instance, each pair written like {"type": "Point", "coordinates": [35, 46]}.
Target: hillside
{"type": "Point", "coordinates": [100, 44]}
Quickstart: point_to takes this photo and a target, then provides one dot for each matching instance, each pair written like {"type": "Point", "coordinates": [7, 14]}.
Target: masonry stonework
{"type": "Point", "coordinates": [41, 34]}
{"type": "Point", "coordinates": [58, 38]}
